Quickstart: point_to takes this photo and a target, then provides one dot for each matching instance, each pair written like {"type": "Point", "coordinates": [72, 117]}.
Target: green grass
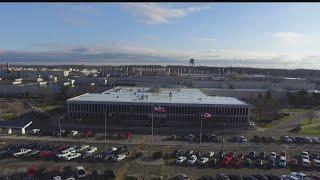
{"type": "Point", "coordinates": [291, 114]}
{"type": "Point", "coordinates": [8, 115]}
{"type": "Point", "coordinates": [312, 128]}
{"type": "Point", "coordinates": [49, 108]}
{"type": "Point", "coordinates": [293, 110]}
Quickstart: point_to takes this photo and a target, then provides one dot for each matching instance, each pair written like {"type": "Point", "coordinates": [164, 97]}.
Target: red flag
{"type": "Point", "coordinates": [159, 109]}
{"type": "Point", "coordinates": [207, 115]}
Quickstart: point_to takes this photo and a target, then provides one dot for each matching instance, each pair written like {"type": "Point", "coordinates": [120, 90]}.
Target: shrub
{"type": "Point", "coordinates": [137, 154]}
{"type": "Point", "coordinates": [157, 155]}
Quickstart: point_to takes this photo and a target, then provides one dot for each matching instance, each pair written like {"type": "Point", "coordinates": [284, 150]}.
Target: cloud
{"type": "Point", "coordinates": [85, 9]}
{"type": "Point", "coordinates": [205, 39]}
{"type": "Point", "coordinates": [128, 53]}
{"type": "Point", "coordinates": [152, 13]}
{"type": "Point", "coordinates": [289, 37]}
{"type": "Point", "coordinates": [77, 14]}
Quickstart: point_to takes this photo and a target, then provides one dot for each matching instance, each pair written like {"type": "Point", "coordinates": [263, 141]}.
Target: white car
{"type": "Point", "coordinates": [80, 172]}
{"type": "Point", "coordinates": [282, 162]}
{"type": "Point", "coordinates": [21, 151]}
{"type": "Point", "coordinates": [210, 154]}
{"type": "Point", "coordinates": [304, 156]}
{"type": "Point", "coordinates": [192, 160]}
{"type": "Point", "coordinates": [316, 163]}
{"type": "Point", "coordinates": [289, 177]}
{"type": "Point", "coordinates": [34, 131]}
{"type": "Point", "coordinates": [243, 139]}
{"type": "Point", "coordinates": [111, 150]}
{"type": "Point", "coordinates": [305, 163]}
{"type": "Point", "coordinates": [66, 153]}
{"type": "Point", "coordinates": [91, 150]}
{"type": "Point", "coordinates": [119, 157]}
{"type": "Point", "coordinates": [83, 148]}
{"type": "Point", "coordinates": [273, 155]}
{"type": "Point", "coordinates": [304, 153]}
{"type": "Point", "coordinates": [181, 159]}
{"type": "Point", "coordinates": [299, 175]}
{"type": "Point", "coordinates": [57, 178]}
{"type": "Point", "coordinates": [287, 139]}
{"type": "Point", "coordinates": [203, 160]}
{"type": "Point", "coordinates": [74, 132]}
{"type": "Point", "coordinates": [72, 156]}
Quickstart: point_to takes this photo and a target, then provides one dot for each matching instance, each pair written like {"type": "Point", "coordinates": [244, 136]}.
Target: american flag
{"type": "Point", "coordinates": [159, 109]}
{"type": "Point", "coordinates": [207, 115]}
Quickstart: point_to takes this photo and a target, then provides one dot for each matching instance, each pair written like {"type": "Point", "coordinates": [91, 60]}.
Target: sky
{"type": "Point", "coordinates": [270, 35]}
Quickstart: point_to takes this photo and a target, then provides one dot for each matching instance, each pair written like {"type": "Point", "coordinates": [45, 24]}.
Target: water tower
{"type": "Point", "coordinates": [192, 65]}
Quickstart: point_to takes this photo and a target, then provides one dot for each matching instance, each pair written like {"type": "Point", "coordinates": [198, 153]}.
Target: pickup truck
{"type": "Point", "coordinates": [21, 152]}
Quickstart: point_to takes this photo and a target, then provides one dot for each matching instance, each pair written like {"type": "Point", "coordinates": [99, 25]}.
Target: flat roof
{"type": "Point", "coordinates": [14, 123]}
{"type": "Point", "coordinates": [143, 95]}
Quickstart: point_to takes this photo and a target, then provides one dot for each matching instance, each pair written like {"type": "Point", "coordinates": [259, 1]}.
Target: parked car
{"type": "Point", "coordinates": [21, 151]}
{"type": "Point", "coordinates": [316, 163]}
{"type": "Point", "coordinates": [282, 162]}
{"type": "Point", "coordinates": [119, 157]}
{"type": "Point", "coordinates": [192, 160]}
{"type": "Point", "coordinates": [209, 154]}
{"type": "Point", "coordinates": [71, 156]}
{"type": "Point", "coordinates": [203, 160]}
{"type": "Point", "coordinates": [305, 163]}
{"type": "Point", "coordinates": [273, 155]}
{"type": "Point", "coordinates": [34, 131]}
{"type": "Point", "coordinates": [80, 172]}
{"type": "Point", "coordinates": [181, 159]}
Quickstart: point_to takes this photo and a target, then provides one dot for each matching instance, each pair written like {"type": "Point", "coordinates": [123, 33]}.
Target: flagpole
{"type": "Point", "coordinates": [201, 129]}
{"type": "Point", "coordinates": [152, 124]}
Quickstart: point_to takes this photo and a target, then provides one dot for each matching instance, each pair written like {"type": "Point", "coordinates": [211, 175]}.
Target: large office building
{"type": "Point", "coordinates": [134, 107]}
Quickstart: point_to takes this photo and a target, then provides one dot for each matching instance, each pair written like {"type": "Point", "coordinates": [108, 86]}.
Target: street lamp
{"type": "Point", "coordinates": [105, 124]}
{"type": "Point", "coordinates": [61, 118]}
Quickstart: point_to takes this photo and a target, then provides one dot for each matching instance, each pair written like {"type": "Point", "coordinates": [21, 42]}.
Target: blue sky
{"type": "Point", "coordinates": [277, 35]}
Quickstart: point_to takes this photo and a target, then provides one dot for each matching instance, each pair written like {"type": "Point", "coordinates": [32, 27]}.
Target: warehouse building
{"type": "Point", "coordinates": [134, 107]}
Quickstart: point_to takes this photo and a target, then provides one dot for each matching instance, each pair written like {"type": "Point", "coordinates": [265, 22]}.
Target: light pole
{"type": "Point", "coordinates": [60, 126]}
{"type": "Point", "coordinates": [105, 124]}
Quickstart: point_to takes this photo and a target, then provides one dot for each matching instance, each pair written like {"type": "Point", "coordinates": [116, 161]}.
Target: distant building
{"type": "Point", "coordinates": [133, 107]}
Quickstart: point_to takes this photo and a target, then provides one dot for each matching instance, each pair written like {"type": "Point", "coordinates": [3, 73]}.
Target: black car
{"type": "Point", "coordinates": [260, 177]}
{"type": "Point", "coordinates": [177, 153]}
{"type": "Point", "coordinates": [221, 176]}
{"type": "Point", "coordinates": [235, 177]}
{"type": "Point", "coordinates": [273, 177]}
{"type": "Point", "coordinates": [249, 178]}
{"type": "Point", "coordinates": [220, 155]}
{"type": "Point", "coordinates": [214, 162]}
{"type": "Point", "coordinates": [252, 155]}
{"type": "Point", "coordinates": [271, 163]}
{"type": "Point", "coordinates": [262, 155]}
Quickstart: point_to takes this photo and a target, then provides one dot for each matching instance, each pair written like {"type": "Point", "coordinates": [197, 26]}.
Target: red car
{"type": "Point", "coordinates": [226, 161]}
{"type": "Point", "coordinates": [88, 133]}
{"type": "Point", "coordinates": [45, 154]}
{"type": "Point", "coordinates": [236, 162]}
{"type": "Point", "coordinates": [63, 147]}
{"type": "Point", "coordinates": [127, 135]}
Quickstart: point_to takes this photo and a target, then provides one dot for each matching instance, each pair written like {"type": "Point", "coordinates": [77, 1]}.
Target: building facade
{"type": "Point", "coordinates": [133, 107]}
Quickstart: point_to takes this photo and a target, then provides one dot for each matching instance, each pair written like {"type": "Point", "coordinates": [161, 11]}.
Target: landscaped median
{"type": "Point", "coordinates": [310, 128]}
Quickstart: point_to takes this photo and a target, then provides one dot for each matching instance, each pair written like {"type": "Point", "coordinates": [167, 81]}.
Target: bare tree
{"type": "Point", "coordinates": [310, 115]}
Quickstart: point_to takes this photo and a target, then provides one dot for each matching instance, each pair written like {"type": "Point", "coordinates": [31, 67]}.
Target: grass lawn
{"type": "Point", "coordinates": [50, 108]}
{"type": "Point", "coordinates": [310, 128]}
{"type": "Point", "coordinates": [291, 112]}
{"type": "Point", "coordinates": [8, 115]}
